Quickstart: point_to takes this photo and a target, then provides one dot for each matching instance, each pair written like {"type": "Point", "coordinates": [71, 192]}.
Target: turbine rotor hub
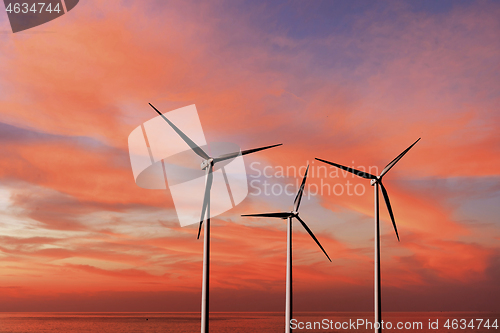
{"type": "Point", "coordinates": [207, 163]}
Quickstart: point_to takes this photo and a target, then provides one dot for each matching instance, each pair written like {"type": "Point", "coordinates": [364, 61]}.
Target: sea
{"type": "Point", "coordinates": [222, 322]}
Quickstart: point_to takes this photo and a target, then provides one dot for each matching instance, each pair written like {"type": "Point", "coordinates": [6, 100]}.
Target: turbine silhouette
{"type": "Point", "coordinates": [207, 164]}
{"type": "Point", "coordinates": [289, 216]}
{"type": "Point", "coordinates": [376, 181]}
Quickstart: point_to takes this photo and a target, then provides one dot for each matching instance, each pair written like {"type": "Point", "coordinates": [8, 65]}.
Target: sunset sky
{"type": "Point", "coordinates": [350, 82]}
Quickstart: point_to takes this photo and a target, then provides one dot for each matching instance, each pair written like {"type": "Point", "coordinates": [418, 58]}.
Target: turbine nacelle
{"type": "Point", "coordinates": [373, 181]}
{"type": "Point", "coordinates": [206, 163]}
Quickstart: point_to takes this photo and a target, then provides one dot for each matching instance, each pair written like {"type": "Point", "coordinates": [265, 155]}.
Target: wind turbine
{"type": "Point", "coordinates": [376, 181]}
{"type": "Point", "coordinates": [207, 164]}
{"type": "Point", "coordinates": [289, 216]}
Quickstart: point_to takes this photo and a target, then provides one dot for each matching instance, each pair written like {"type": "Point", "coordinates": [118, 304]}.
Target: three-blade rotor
{"type": "Point", "coordinates": [294, 213]}
{"type": "Point", "coordinates": [208, 164]}
{"type": "Point", "coordinates": [377, 179]}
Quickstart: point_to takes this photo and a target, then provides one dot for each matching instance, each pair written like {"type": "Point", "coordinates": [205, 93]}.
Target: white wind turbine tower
{"type": "Point", "coordinates": [208, 165]}
{"type": "Point", "coordinates": [376, 181]}
{"type": "Point", "coordinates": [289, 216]}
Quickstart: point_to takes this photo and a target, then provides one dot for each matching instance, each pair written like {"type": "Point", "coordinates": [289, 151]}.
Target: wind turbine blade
{"type": "Point", "coordinates": [351, 170]}
{"type": "Point", "coordinates": [283, 215]}
{"type": "Point", "coordinates": [389, 208]}
{"type": "Point", "coordinates": [206, 199]}
{"type": "Point", "coordinates": [298, 197]}
{"type": "Point", "coordinates": [250, 151]}
{"type": "Point", "coordinates": [396, 160]}
{"type": "Point", "coordinates": [200, 152]}
{"type": "Point", "coordinates": [199, 230]}
{"type": "Point", "coordinates": [312, 235]}
{"type": "Point", "coordinates": [244, 152]}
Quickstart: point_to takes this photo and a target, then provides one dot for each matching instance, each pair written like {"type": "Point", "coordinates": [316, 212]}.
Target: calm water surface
{"type": "Point", "coordinates": [231, 322]}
